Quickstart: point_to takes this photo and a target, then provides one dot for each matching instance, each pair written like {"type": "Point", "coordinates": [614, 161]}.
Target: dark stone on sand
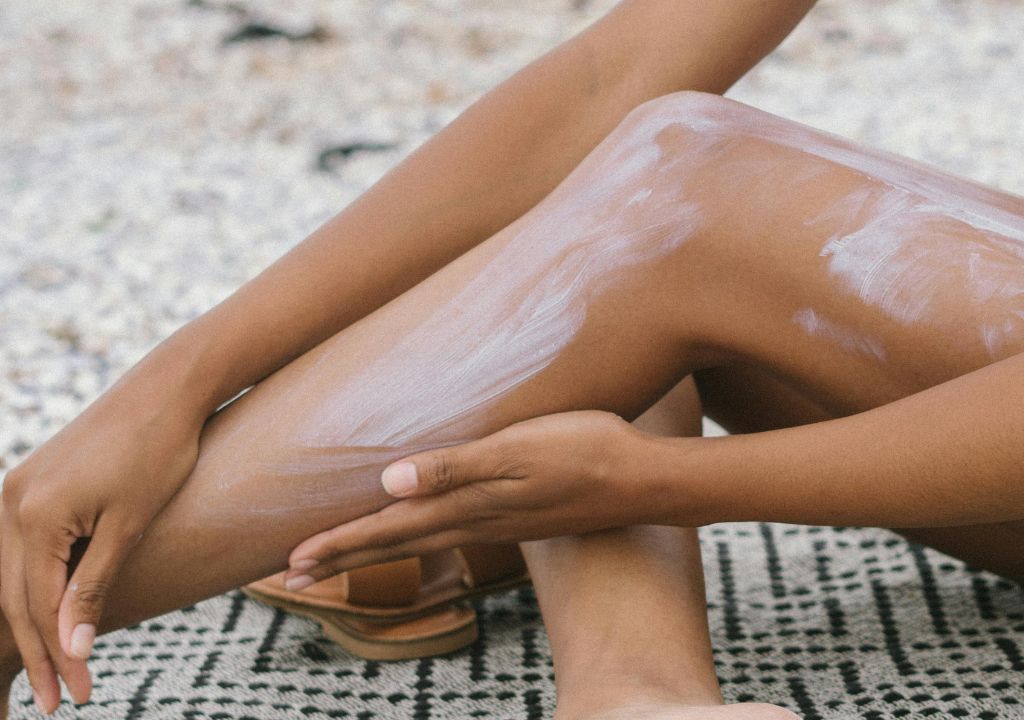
{"type": "Point", "coordinates": [261, 31]}
{"type": "Point", "coordinates": [329, 157]}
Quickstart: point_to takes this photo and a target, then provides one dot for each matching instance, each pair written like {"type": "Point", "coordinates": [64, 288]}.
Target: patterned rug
{"type": "Point", "coordinates": [831, 623]}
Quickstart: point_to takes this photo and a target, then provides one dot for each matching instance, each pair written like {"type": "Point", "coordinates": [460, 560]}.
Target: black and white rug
{"type": "Point", "coordinates": [831, 623]}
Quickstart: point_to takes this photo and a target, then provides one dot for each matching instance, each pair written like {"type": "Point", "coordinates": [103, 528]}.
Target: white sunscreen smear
{"type": "Point", "coordinates": [347, 410]}
{"type": "Point", "coordinates": [849, 339]}
{"type": "Point", "coordinates": [509, 321]}
{"type": "Point", "coordinates": [905, 240]}
{"type": "Point", "coordinates": [520, 311]}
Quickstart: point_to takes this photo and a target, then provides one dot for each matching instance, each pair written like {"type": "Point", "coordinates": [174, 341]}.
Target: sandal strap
{"type": "Point", "coordinates": [485, 564]}
{"type": "Point", "coordinates": [392, 584]}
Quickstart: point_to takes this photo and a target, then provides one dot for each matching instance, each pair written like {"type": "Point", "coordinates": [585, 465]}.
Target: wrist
{"type": "Point", "coordinates": [175, 379]}
{"type": "Point", "coordinates": [681, 480]}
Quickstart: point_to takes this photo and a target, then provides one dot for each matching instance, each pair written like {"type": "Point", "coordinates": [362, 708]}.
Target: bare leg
{"type": "Point", "coordinates": [639, 269]}
{"type": "Point", "coordinates": [626, 614]}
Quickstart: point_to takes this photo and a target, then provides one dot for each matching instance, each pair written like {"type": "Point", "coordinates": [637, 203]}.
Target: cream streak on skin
{"type": "Point", "coordinates": [516, 316]}
{"type": "Point", "coordinates": [899, 243]}
{"type": "Point", "coordinates": [849, 339]}
{"type": "Point", "coordinates": [620, 209]}
{"type": "Point", "coordinates": [632, 202]}
{"type": "Point", "coordinates": [907, 254]}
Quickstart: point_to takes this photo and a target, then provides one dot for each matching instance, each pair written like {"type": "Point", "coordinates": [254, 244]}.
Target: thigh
{"type": "Point", "coordinates": [853, 277]}
{"type": "Point", "coordinates": [746, 399]}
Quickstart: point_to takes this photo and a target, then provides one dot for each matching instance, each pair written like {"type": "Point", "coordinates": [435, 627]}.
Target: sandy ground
{"type": "Point", "coordinates": [148, 165]}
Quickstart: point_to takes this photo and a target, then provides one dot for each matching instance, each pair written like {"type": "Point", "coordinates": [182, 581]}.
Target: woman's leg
{"type": "Point", "coordinates": [688, 239]}
{"type": "Point", "coordinates": [625, 610]}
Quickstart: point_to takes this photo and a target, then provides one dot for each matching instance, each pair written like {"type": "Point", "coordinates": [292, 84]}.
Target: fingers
{"type": "Point", "coordinates": [54, 621]}
{"type": "Point", "coordinates": [45, 566]}
{"type": "Point", "coordinates": [374, 556]}
{"type": "Point", "coordinates": [416, 525]}
{"type": "Point", "coordinates": [442, 470]}
{"type": "Point", "coordinates": [410, 527]}
{"type": "Point", "coordinates": [81, 606]}
{"type": "Point", "coordinates": [41, 675]}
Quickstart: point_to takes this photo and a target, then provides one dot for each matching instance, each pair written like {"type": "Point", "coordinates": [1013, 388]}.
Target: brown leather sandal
{"type": "Point", "coordinates": [405, 609]}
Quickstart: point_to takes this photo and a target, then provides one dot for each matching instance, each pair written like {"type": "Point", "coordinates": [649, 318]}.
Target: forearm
{"type": "Point", "coordinates": [488, 167]}
{"type": "Point", "coordinates": [950, 455]}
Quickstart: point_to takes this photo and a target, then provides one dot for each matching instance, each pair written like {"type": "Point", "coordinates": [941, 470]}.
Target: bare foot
{"type": "Point", "coordinates": [679, 711]}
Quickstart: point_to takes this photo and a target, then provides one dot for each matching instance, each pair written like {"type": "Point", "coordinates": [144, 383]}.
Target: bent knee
{"type": "Point", "coordinates": [701, 111]}
{"type": "Point", "coordinates": [694, 118]}
{"type": "Point", "coordinates": [717, 138]}
{"type": "Point", "coordinates": [685, 147]}
{"type": "Point", "coordinates": [679, 123]}
{"type": "Point", "coordinates": [646, 171]}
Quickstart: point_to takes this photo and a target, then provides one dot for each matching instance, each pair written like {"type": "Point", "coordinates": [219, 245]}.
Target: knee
{"type": "Point", "coordinates": [639, 196]}
{"type": "Point", "coordinates": [702, 112]}
{"type": "Point", "coordinates": [683, 122]}
{"type": "Point", "coordinates": [659, 157]}
{"type": "Point", "coordinates": [648, 165]}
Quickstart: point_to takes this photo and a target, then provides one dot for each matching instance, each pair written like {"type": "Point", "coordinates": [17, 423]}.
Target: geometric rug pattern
{"type": "Point", "coordinates": [829, 622]}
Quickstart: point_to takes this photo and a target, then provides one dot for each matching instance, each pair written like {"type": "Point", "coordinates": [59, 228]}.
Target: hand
{"type": "Point", "coordinates": [555, 475]}
{"type": "Point", "coordinates": [103, 478]}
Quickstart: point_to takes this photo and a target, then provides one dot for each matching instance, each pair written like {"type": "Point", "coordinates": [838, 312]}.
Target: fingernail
{"type": "Point", "coordinates": [299, 582]}
{"type": "Point", "coordinates": [400, 478]}
{"type": "Point", "coordinates": [304, 564]}
{"type": "Point", "coordinates": [39, 702]}
{"type": "Point", "coordinates": [82, 638]}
